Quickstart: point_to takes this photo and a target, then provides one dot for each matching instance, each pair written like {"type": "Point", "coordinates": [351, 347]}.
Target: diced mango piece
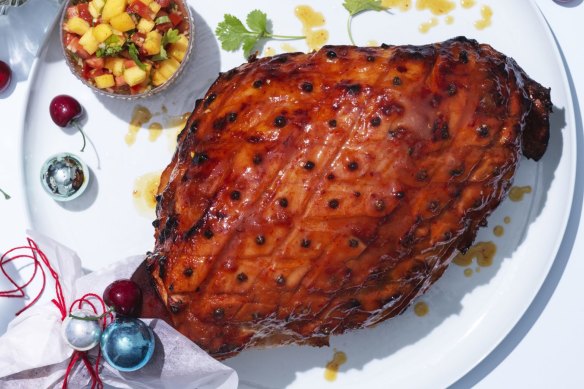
{"type": "Point", "coordinates": [134, 75]}
{"type": "Point", "coordinates": [112, 8]}
{"type": "Point", "coordinates": [145, 25]}
{"type": "Point", "coordinates": [77, 25]}
{"type": "Point", "coordinates": [178, 50]}
{"type": "Point", "coordinates": [168, 67]}
{"type": "Point", "coordinates": [154, 6]}
{"type": "Point", "coordinates": [98, 4]}
{"type": "Point", "coordinates": [158, 78]}
{"type": "Point", "coordinates": [123, 22]}
{"type": "Point", "coordinates": [102, 31]}
{"type": "Point", "coordinates": [115, 65]}
{"type": "Point", "coordinates": [88, 41]}
{"type": "Point", "coordinates": [147, 2]}
{"type": "Point", "coordinates": [93, 10]}
{"type": "Point", "coordinates": [152, 42]}
{"type": "Point", "coordinates": [104, 81]}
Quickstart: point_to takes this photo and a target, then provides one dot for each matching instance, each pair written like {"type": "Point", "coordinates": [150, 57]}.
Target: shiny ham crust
{"type": "Point", "coordinates": [311, 194]}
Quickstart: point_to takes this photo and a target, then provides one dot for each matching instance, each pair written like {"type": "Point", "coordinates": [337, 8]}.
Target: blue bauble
{"type": "Point", "coordinates": [127, 344]}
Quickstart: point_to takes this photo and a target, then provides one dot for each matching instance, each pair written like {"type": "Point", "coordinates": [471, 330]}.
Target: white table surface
{"type": "Point", "coordinates": [546, 347]}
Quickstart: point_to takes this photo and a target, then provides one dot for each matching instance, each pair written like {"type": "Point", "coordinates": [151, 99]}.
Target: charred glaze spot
{"type": "Point", "coordinates": [330, 176]}
{"type": "Point", "coordinates": [306, 87]}
{"type": "Point", "coordinates": [376, 121]}
{"type": "Point", "coordinates": [331, 54]}
{"type": "Point", "coordinates": [194, 126]}
{"type": "Point", "coordinates": [260, 240]}
{"type": "Point", "coordinates": [334, 203]}
{"type": "Point", "coordinates": [370, 58]}
{"type": "Point", "coordinates": [433, 206]}
{"type": "Point", "coordinates": [209, 100]}
{"type": "Point", "coordinates": [379, 205]}
{"type": "Point", "coordinates": [451, 90]}
{"type": "Point", "coordinates": [188, 272]}
{"type": "Point", "coordinates": [171, 287]}
{"type": "Point", "coordinates": [354, 89]}
{"type": "Point", "coordinates": [353, 166]}
{"type": "Point", "coordinates": [156, 223]}
{"type": "Point", "coordinates": [200, 157]}
{"type": "Point", "coordinates": [483, 131]}
{"type": "Point", "coordinates": [218, 313]}
{"type": "Point", "coordinates": [325, 330]}
{"type": "Point", "coordinates": [162, 267]}
{"type": "Point", "coordinates": [235, 195]}
{"type": "Point", "coordinates": [456, 172]}
{"type": "Point", "coordinates": [258, 84]}
{"type": "Point", "coordinates": [397, 81]}
{"type": "Point", "coordinates": [399, 195]}
{"type": "Point", "coordinates": [281, 280]}
{"type": "Point", "coordinates": [353, 243]}
{"type": "Point", "coordinates": [447, 235]}
{"type": "Point", "coordinates": [483, 223]}
{"type": "Point", "coordinates": [194, 229]}
{"type": "Point", "coordinates": [357, 194]}
{"type": "Point", "coordinates": [254, 139]}
{"type": "Point", "coordinates": [392, 108]}
{"type": "Point", "coordinates": [401, 68]}
{"type": "Point", "coordinates": [305, 243]}
{"type": "Point", "coordinates": [257, 159]}
{"type": "Point", "coordinates": [353, 303]}
{"type": "Point", "coordinates": [232, 116]}
{"type": "Point", "coordinates": [308, 165]}
{"type": "Point", "coordinates": [169, 226]}
{"type": "Point", "coordinates": [283, 202]}
{"type": "Point", "coordinates": [463, 56]}
{"type": "Point", "coordinates": [407, 240]}
{"type": "Point", "coordinates": [220, 124]}
{"type": "Point", "coordinates": [280, 121]}
{"type": "Point", "coordinates": [332, 123]}
{"type": "Point", "coordinates": [422, 175]}
{"type": "Point", "coordinates": [283, 58]}
{"type": "Point", "coordinates": [208, 234]}
{"type": "Point", "coordinates": [435, 101]}
{"type": "Point", "coordinates": [242, 277]}
{"type": "Point", "coordinates": [440, 130]}
{"type": "Point", "coordinates": [220, 215]}
{"type": "Point", "coordinates": [256, 316]}
{"type": "Point", "coordinates": [497, 171]}
{"type": "Point", "coordinates": [385, 46]}
{"type": "Point", "coordinates": [158, 198]}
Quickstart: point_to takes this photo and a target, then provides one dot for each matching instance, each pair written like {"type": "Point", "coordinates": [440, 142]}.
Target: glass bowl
{"type": "Point", "coordinates": [76, 68]}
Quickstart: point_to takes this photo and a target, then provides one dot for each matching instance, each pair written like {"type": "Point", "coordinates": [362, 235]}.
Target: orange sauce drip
{"type": "Point", "coordinates": [517, 192]}
{"type": "Point", "coordinates": [311, 19]}
{"type": "Point", "coordinates": [332, 367]}
{"type": "Point", "coordinates": [486, 16]}
{"type": "Point", "coordinates": [421, 309]}
{"type": "Point", "coordinates": [144, 193]}
{"type": "Point", "coordinates": [140, 116]}
{"type": "Point", "coordinates": [482, 252]}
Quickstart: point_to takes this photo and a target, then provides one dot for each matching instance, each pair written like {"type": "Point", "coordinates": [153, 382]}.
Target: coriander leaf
{"type": "Point", "coordinates": [170, 36]}
{"type": "Point", "coordinates": [257, 21]}
{"type": "Point", "coordinates": [133, 51]}
{"type": "Point", "coordinates": [113, 39]}
{"type": "Point", "coordinates": [231, 32]}
{"type": "Point", "coordinates": [108, 51]}
{"type": "Point", "coordinates": [357, 6]}
{"type": "Point", "coordinates": [248, 44]}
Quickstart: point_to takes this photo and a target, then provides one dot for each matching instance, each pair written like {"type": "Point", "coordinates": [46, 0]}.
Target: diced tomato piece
{"type": "Point", "coordinates": [175, 18]}
{"type": "Point", "coordinates": [138, 38]}
{"type": "Point", "coordinates": [163, 3]}
{"type": "Point", "coordinates": [84, 14]}
{"type": "Point", "coordinates": [136, 89]}
{"type": "Point", "coordinates": [68, 38]}
{"type": "Point", "coordinates": [120, 81]}
{"type": "Point", "coordinates": [72, 12]}
{"type": "Point", "coordinates": [162, 28]}
{"type": "Point", "coordinates": [96, 73]}
{"type": "Point", "coordinates": [141, 9]}
{"type": "Point", "coordinates": [85, 71]}
{"type": "Point", "coordinates": [129, 63]}
{"type": "Point", "coordinates": [96, 63]}
{"type": "Point", "coordinates": [76, 48]}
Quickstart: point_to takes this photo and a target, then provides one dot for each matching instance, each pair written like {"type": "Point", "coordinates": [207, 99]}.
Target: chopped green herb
{"type": "Point", "coordinates": [133, 51]}
{"type": "Point", "coordinates": [170, 36]}
{"type": "Point", "coordinates": [356, 7]}
{"type": "Point", "coordinates": [112, 40]}
{"type": "Point", "coordinates": [108, 51]}
{"type": "Point", "coordinates": [233, 34]}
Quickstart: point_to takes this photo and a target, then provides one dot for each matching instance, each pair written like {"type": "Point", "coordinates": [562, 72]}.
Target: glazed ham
{"type": "Point", "coordinates": [311, 194]}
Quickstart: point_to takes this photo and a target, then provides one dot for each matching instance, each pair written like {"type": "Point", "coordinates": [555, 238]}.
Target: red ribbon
{"type": "Point", "coordinates": [33, 253]}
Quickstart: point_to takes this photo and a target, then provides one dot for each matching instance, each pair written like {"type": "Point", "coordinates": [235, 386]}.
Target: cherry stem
{"type": "Point", "coordinates": [93, 318]}
{"type": "Point", "coordinates": [82, 133]}
{"type": "Point", "coordinates": [6, 195]}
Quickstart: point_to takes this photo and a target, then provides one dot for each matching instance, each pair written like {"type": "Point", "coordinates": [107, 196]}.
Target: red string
{"type": "Point", "coordinates": [38, 258]}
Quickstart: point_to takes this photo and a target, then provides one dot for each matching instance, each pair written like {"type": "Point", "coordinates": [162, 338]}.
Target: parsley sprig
{"type": "Point", "coordinates": [233, 34]}
{"type": "Point", "coordinates": [170, 36]}
{"type": "Point", "coordinates": [356, 7]}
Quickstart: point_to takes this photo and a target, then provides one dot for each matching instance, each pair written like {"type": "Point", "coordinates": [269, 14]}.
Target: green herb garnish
{"type": "Point", "coordinates": [170, 36]}
{"type": "Point", "coordinates": [108, 51]}
{"type": "Point", "coordinates": [133, 51]}
{"type": "Point", "coordinates": [356, 7]}
{"type": "Point", "coordinates": [233, 34]}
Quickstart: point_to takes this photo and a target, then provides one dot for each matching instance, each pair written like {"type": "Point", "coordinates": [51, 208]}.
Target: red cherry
{"type": "Point", "coordinates": [125, 296]}
{"type": "Point", "coordinates": [5, 76]}
{"type": "Point", "coordinates": [65, 111]}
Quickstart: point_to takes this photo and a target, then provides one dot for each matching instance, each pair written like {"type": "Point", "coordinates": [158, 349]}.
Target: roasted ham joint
{"type": "Point", "coordinates": [311, 194]}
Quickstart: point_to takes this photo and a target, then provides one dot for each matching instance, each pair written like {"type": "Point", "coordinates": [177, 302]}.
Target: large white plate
{"type": "Point", "coordinates": [468, 315]}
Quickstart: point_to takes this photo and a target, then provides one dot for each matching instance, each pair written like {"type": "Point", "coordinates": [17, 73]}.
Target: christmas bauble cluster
{"type": "Point", "coordinates": [127, 343]}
